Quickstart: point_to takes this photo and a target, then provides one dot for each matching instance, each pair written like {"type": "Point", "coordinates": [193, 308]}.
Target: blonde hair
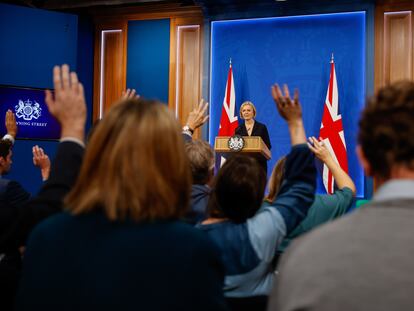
{"type": "Point", "coordinates": [134, 166]}
{"type": "Point", "coordinates": [245, 104]}
{"type": "Point", "coordinates": [276, 179]}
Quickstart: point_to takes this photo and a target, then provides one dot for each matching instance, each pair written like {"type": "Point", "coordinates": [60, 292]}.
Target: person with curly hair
{"type": "Point", "coordinates": [363, 261]}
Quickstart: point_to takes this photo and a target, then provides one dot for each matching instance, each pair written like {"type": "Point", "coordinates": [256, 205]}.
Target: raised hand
{"type": "Point", "coordinates": [198, 116]}
{"type": "Point", "coordinates": [319, 149]}
{"type": "Point", "coordinates": [290, 110]}
{"type": "Point", "coordinates": [42, 161]}
{"type": "Point", "coordinates": [11, 125]}
{"type": "Point", "coordinates": [68, 105]}
{"type": "Point", "coordinates": [129, 94]}
{"type": "Point", "coordinates": [342, 179]}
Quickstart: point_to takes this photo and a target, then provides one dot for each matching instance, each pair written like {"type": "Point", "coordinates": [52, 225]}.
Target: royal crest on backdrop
{"type": "Point", "coordinates": [28, 110]}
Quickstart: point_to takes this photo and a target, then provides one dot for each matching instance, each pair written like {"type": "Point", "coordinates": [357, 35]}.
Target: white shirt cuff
{"type": "Point", "coordinates": [9, 137]}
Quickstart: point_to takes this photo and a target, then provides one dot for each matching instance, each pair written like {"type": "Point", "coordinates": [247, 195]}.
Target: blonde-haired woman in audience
{"type": "Point", "coordinates": [119, 245]}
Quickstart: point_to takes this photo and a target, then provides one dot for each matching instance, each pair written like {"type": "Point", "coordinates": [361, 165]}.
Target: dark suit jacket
{"type": "Point", "coordinates": [18, 221]}
{"type": "Point", "coordinates": [11, 192]}
{"type": "Point", "coordinates": [259, 129]}
{"type": "Point", "coordinates": [187, 138]}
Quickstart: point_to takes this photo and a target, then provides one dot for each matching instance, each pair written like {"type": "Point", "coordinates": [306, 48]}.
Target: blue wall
{"type": "Point", "coordinates": [32, 42]}
{"type": "Point", "coordinates": [36, 41]}
{"type": "Point", "coordinates": [249, 81]}
{"type": "Point", "coordinates": [84, 66]}
{"type": "Point", "coordinates": [296, 51]}
{"type": "Point", "coordinates": [148, 58]}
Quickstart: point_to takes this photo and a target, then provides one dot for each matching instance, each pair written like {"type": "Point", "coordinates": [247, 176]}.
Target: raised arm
{"type": "Point", "coordinates": [69, 108]}
{"type": "Point", "coordinates": [42, 161]}
{"type": "Point", "coordinates": [291, 111]}
{"type": "Point", "coordinates": [11, 126]}
{"type": "Point", "coordinates": [297, 190]}
{"type": "Point", "coordinates": [68, 105]}
{"type": "Point", "coordinates": [129, 94]}
{"type": "Point", "coordinates": [342, 179]}
{"type": "Point", "coordinates": [275, 220]}
{"type": "Point", "coordinates": [196, 118]}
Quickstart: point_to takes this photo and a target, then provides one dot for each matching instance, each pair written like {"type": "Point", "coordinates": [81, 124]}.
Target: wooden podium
{"type": "Point", "coordinates": [252, 144]}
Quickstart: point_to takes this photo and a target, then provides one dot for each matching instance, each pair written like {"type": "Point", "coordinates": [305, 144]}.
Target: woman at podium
{"type": "Point", "coordinates": [251, 127]}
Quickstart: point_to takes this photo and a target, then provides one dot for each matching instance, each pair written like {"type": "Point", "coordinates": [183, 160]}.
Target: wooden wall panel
{"type": "Point", "coordinates": [109, 72]}
{"type": "Point", "coordinates": [190, 54]}
{"type": "Point", "coordinates": [398, 50]}
{"type": "Point", "coordinates": [185, 67]}
{"type": "Point", "coordinates": [393, 42]}
{"type": "Point", "coordinates": [112, 71]}
{"type": "Point", "coordinates": [188, 78]}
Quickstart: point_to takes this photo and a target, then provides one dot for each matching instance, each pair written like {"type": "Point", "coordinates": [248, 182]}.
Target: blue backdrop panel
{"type": "Point", "coordinates": [33, 41]}
{"type": "Point", "coordinates": [149, 57]}
{"type": "Point", "coordinates": [84, 65]}
{"type": "Point", "coordinates": [294, 50]}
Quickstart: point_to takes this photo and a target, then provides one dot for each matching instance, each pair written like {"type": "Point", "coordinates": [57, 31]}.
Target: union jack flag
{"type": "Point", "coordinates": [332, 131]}
{"type": "Point", "coordinates": [228, 120]}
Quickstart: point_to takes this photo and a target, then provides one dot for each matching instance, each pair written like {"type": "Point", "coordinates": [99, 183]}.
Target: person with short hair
{"type": "Point", "coordinates": [363, 261]}
{"type": "Point", "coordinates": [12, 195]}
{"type": "Point", "coordinates": [11, 192]}
{"type": "Point", "coordinates": [17, 221]}
{"type": "Point", "coordinates": [201, 158]}
{"type": "Point", "coordinates": [120, 244]}
{"type": "Point", "coordinates": [5, 156]}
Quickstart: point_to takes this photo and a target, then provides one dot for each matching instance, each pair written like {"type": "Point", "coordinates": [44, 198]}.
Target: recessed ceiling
{"type": "Point", "coordinates": [217, 5]}
{"type": "Point", "coordinates": [78, 4]}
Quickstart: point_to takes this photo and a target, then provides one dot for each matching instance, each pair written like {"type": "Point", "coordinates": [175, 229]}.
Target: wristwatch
{"type": "Point", "coordinates": [186, 128]}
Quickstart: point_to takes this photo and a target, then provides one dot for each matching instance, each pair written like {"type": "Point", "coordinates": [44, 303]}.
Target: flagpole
{"type": "Point", "coordinates": [332, 59]}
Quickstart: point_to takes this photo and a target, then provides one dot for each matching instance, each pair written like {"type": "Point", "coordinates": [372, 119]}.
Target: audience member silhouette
{"type": "Point", "coordinates": [201, 158]}
{"type": "Point", "coordinates": [119, 244]}
{"type": "Point", "coordinates": [246, 235]}
{"type": "Point", "coordinates": [11, 192]}
{"type": "Point", "coordinates": [17, 221]}
{"type": "Point", "coordinates": [363, 261]}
